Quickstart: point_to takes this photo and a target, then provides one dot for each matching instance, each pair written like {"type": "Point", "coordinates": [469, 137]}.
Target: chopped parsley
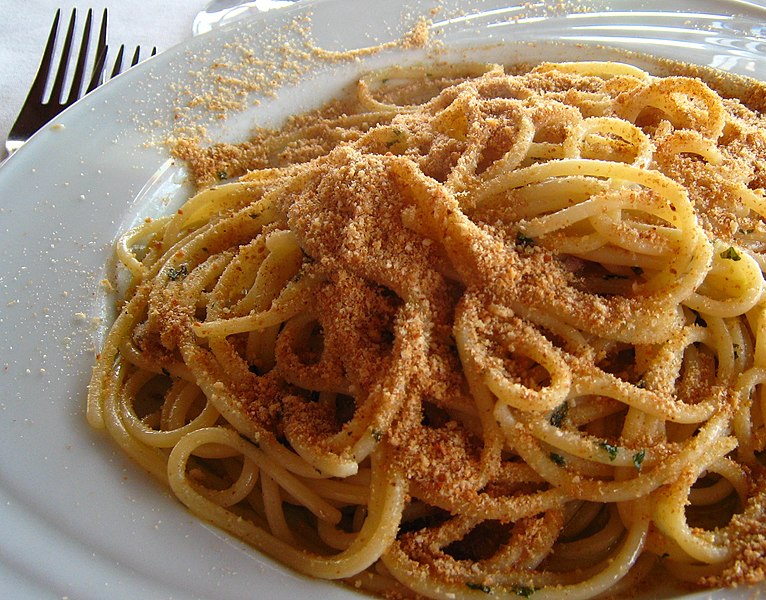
{"type": "Point", "coordinates": [523, 590]}
{"type": "Point", "coordinates": [377, 435]}
{"type": "Point", "coordinates": [730, 254]}
{"type": "Point", "coordinates": [175, 274]}
{"type": "Point", "coordinates": [222, 175]}
{"type": "Point", "coordinates": [479, 586]}
{"type": "Point", "coordinates": [609, 449]}
{"type": "Point", "coordinates": [398, 134]}
{"type": "Point", "coordinates": [558, 459]}
{"type": "Point", "coordinates": [559, 414]}
{"type": "Point", "coordinates": [524, 240]}
{"type": "Point", "coordinates": [638, 459]}
{"type": "Point", "coordinates": [698, 320]}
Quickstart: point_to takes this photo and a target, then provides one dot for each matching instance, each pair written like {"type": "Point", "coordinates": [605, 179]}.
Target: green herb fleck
{"type": "Point", "coordinates": [730, 254]}
{"type": "Point", "coordinates": [524, 240]}
{"type": "Point", "coordinates": [609, 449]}
{"type": "Point", "coordinates": [698, 320]}
{"type": "Point", "coordinates": [559, 414]}
{"type": "Point", "coordinates": [638, 459]}
{"type": "Point", "coordinates": [175, 274]}
{"type": "Point", "coordinates": [398, 133]}
{"type": "Point", "coordinates": [377, 435]}
{"type": "Point", "coordinates": [523, 590]}
{"type": "Point", "coordinates": [222, 175]}
{"type": "Point", "coordinates": [558, 459]}
{"type": "Point", "coordinates": [479, 586]}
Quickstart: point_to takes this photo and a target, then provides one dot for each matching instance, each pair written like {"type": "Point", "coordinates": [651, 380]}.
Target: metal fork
{"type": "Point", "coordinates": [117, 68]}
{"type": "Point", "coordinates": [36, 112]}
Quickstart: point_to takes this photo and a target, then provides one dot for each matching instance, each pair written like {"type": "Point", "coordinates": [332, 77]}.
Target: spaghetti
{"type": "Point", "coordinates": [472, 333]}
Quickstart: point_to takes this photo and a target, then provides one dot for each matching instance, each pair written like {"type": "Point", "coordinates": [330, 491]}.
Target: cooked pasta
{"type": "Point", "coordinates": [471, 333]}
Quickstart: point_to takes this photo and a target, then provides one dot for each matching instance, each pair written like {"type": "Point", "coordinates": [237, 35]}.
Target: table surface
{"type": "Point", "coordinates": [25, 26]}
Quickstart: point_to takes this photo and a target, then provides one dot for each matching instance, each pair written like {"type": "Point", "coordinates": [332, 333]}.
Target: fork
{"type": "Point", "coordinates": [36, 112]}
{"type": "Point", "coordinates": [117, 68]}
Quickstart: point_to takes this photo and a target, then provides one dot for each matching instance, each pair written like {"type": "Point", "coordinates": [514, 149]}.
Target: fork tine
{"type": "Point", "coordinates": [101, 45]}
{"type": "Point", "coordinates": [135, 59]}
{"type": "Point", "coordinates": [117, 69]}
{"type": "Point", "coordinates": [136, 56]}
{"type": "Point", "coordinates": [66, 51]}
{"type": "Point", "coordinates": [38, 85]}
{"type": "Point", "coordinates": [100, 61]}
{"type": "Point", "coordinates": [79, 73]}
{"type": "Point", "coordinates": [96, 79]}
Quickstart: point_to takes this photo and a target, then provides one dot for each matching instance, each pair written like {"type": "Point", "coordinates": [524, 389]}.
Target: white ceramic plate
{"type": "Point", "coordinates": [77, 519]}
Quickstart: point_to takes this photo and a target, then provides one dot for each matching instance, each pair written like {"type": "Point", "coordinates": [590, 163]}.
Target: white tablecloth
{"type": "Point", "coordinates": [24, 27]}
